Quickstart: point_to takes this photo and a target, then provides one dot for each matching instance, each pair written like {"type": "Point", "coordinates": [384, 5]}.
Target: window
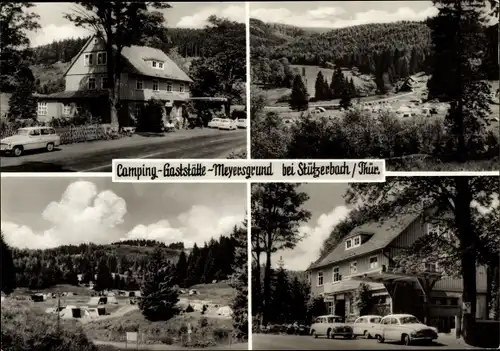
{"type": "Point", "coordinates": [181, 87]}
{"type": "Point", "coordinates": [354, 267]}
{"type": "Point", "coordinates": [104, 83]}
{"type": "Point", "coordinates": [91, 83]}
{"type": "Point", "coordinates": [453, 301]}
{"type": "Point", "coordinates": [357, 241]}
{"type": "Point", "coordinates": [336, 274]}
{"type": "Point", "coordinates": [373, 262]}
{"type": "Point", "coordinates": [42, 109]}
{"type": "Point", "coordinates": [169, 86]}
{"type": "Point", "coordinates": [51, 131]}
{"type": "Point", "coordinates": [35, 132]}
{"type": "Point", "coordinates": [430, 267]}
{"type": "Point", "coordinates": [160, 65]}
{"type": "Point", "coordinates": [138, 84]}
{"type": "Point", "coordinates": [66, 110]}
{"type": "Point", "coordinates": [348, 244]}
{"type": "Point", "coordinates": [138, 110]}
{"type": "Point", "coordinates": [156, 86]}
{"type": "Point", "coordinates": [320, 278]}
{"type": "Point", "coordinates": [89, 59]}
{"type": "Point", "coordinates": [45, 131]}
{"type": "Point", "coordinates": [153, 63]}
{"type": "Point", "coordinates": [102, 58]}
{"type": "Point", "coordinates": [375, 320]}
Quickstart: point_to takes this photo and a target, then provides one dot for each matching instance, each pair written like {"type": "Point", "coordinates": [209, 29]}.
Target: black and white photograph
{"type": "Point", "coordinates": [413, 82]}
{"type": "Point", "coordinates": [411, 263]}
{"type": "Point", "coordinates": [92, 265]}
{"type": "Point", "coordinates": [107, 80]}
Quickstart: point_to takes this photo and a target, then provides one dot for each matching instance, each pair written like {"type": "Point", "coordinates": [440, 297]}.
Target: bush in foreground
{"type": "Point", "coordinates": [24, 329]}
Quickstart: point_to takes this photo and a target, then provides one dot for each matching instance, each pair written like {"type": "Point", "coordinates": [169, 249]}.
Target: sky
{"type": "Point", "coordinates": [339, 14]}
{"type": "Point", "coordinates": [328, 208]}
{"type": "Point", "coordinates": [185, 15]}
{"type": "Point", "coordinates": [48, 212]}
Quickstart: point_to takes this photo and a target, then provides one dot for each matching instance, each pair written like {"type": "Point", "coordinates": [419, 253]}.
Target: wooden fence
{"type": "Point", "coordinates": [69, 135]}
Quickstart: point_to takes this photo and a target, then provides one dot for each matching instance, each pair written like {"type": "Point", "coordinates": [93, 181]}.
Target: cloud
{"type": "Point", "coordinates": [329, 17]}
{"type": "Point", "coordinates": [199, 19]}
{"type": "Point", "coordinates": [52, 32]}
{"type": "Point", "coordinates": [308, 249]}
{"type": "Point", "coordinates": [81, 215]}
{"type": "Point", "coordinates": [199, 224]}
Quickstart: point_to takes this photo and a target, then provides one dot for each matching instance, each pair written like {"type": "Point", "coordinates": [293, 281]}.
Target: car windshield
{"type": "Point", "coordinates": [334, 320]}
{"type": "Point", "coordinates": [23, 132]}
{"type": "Point", "coordinates": [409, 320]}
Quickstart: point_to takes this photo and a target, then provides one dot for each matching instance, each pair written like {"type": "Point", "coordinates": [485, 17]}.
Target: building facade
{"type": "Point", "coordinates": [367, 255]}
{"type": "Point", "coordinates": [148, 74]}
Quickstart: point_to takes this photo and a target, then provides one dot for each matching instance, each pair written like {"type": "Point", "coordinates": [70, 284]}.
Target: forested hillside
{"type": "Point", "coordinates": [398, 49]}
{"type": "Point", "coordinates": [38, 269]}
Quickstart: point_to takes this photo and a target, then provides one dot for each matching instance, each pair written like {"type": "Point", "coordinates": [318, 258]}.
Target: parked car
{"type": "Point", "coordinates": [228, 124]}
{"type": "Point", "coordinates": [214, 123]}
{"type": "Point", "coordinates": [241, 123]}
{"type": "Point", "coordinates": [331, 326]}
{"type": "Point", "coordinates": [404, 328]}
{"type": "Point", "coordinates": [366, 325]}
{"type": "Point", "coordinates": [30, 138]}
{"type": "Point", "coordinates": [169, 126]}
{"type": "Point", "coordinates": [297, 328]}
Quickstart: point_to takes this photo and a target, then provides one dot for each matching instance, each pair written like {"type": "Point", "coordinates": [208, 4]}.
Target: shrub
{"type": "Point", "coordinates": [151, 119]}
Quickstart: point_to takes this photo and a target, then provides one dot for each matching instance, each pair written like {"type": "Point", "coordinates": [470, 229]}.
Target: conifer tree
{"type": "Point", "coordinates": [8, 277]}
{"type": "Point", "coordinates": [22, 103]}
{"type": "Point", "coordinates": [159, 297]}
{"type": "Point", "coordinates": [299, 100]}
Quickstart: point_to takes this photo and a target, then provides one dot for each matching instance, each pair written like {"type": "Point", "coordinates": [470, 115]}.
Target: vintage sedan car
{"type": "Point", "coordinates": [30, 138]}
{"type": "Point", "coordinates": [366, 325]}
{"type": "Point", "coordinates": [214, 123]}
{"type": "Point", "coordinates": [404, 328]}
{"type": "Point", "coordinates": [241, 123]}
{"type": "Point", "coordinates": [228, 124]}
{"type": "Point", "coordinates": [331, 326]}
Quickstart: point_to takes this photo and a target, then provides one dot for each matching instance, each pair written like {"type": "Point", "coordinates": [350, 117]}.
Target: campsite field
{"type": "Point", "coordinates": [210, 328]}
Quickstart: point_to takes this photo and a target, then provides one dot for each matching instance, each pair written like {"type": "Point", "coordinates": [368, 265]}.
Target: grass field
{"type": "Point", "coordinates": [218, 293]}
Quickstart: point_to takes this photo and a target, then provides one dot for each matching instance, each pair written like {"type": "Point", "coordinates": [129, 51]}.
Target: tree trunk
{"type": "Point", "coordinates": [114, 99]}
{"type": "Point", "coordinates": [267, 287]}
{"type": "Point", "coordinates": [467, 238]}
{"type": "Point", "coordinates": [257, 290]}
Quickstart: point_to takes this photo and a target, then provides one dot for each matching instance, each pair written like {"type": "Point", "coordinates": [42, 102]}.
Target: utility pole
{"type": "Point", "coordinates": [58, 312]}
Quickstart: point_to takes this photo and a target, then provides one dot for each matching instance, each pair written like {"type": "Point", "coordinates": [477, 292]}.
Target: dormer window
{"type": "Point", "coordinates": [353, 242]}
{"type": "Point", "coordinates": [157, 64]}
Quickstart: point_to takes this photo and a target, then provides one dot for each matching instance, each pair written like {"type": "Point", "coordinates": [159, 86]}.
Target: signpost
{"type": "Point", "coordinates": [131, 338]}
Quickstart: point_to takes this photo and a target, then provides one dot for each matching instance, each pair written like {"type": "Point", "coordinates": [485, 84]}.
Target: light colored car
{"type": "Point", "coordinates": [30, 138]}
{"type": "Point", "coordinates": [331, 326]}
{"type": "Point", "coordinates": [241, 123]}
{"type": "Point", "coordinates": [214, 123]}
{"type": "Point", "coordinates": [404, 328]}
{"type": "Point", "coordinates": [366, 325]}
{"type": "Point", "coordinates": [228, 124]}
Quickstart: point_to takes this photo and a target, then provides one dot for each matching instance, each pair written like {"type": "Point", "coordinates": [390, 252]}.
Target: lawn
{"type": "Point", "coordinates": [205, 331]}
{"type": "Point", "coordinates": [219, 293]}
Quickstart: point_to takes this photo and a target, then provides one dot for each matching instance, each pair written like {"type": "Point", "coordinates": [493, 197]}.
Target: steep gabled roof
{"type": "Point", "coordinates": [382, 235]}
{"type": "Point", "coordinates": [136, 56]}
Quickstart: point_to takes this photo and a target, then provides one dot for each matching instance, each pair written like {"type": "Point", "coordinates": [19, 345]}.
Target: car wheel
{"type": "Point", "coordinates": [50, 147]}
{"type": "Point", "coordinates": [17, 151]}
{"type": "Point", "coordinates": [405, 339]}
{"type": "Point", "coordinates": [380, 339]}
{"type": "Point", "coordinates": [367, 335]}
{"type": "Point", "coordinates": [313, 333]}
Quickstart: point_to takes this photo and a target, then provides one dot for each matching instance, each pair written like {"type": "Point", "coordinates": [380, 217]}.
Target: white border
{"type": "Point", "coordinates": [248, 95]}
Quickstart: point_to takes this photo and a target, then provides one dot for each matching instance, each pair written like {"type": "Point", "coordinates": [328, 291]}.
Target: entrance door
{"type": "Point", "coordinates": [340, 308]}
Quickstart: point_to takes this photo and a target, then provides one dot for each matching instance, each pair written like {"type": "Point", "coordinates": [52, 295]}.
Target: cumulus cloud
{"type": "Point", "coordinates": [308, 249]}
{"type": "Point", "coordinates": [329, 17]}
{"type": "Point", "coordinates": [199, 19]}
{"type": "Point", "coordinates": [52, 32]}
{"type": "Point", "coordinates": [81, 215]}
{"type": "Point", "coordinates": [197, 225]}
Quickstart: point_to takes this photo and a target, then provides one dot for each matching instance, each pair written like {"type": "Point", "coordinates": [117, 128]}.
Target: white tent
{"type": "Point", "coordinates": [198, 307]}
{"type": "Point", "coordinates": [94, 301]}
{"type": "Point", "coordinates": [193, 292]}
{"type": "Point", "coordinates": [110, 293]}
{"type": "Point", "coordinates": [73, 312]}
{"type": "Point", "coordinates": [112, 299]}
{"type": "Point", "coordinates": [225, 311]}
{"type": "Point", "coordinates": [92, 312]}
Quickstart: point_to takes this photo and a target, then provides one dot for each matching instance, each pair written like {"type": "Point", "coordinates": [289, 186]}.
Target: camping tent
{"type": "Point", "coordinates": [73, 312]}
{"type": "Point", "coordinates": [225, 311]}
{"type": "Point", "coordinates": [193, 292]}
{"type": "Point", "coordinates": [94, 301]}
{"type": "Point", "coordinates": [198, 307]}
{"type": "Point", "coordinates": [112, 299]}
